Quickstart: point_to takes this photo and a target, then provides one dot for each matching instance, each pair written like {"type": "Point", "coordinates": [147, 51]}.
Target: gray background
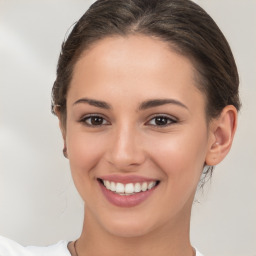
{"type": "Point", "coordinates": [38, 202]}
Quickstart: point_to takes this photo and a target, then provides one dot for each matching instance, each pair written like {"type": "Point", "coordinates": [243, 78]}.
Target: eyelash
{"type": "Point", "coordinates": [169, 120]}
{"type": "Point", "coordinates": [85, 119]}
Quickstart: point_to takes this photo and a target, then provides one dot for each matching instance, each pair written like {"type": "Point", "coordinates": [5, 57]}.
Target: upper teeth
{"type": "Point", "coordinates": [130, 188]}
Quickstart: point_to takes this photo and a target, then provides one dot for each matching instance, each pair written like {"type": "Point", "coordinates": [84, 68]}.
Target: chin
{"type": "Point", "coordinates": [129, 227]}
{"type": "Point", "coordinates": [128, 232]}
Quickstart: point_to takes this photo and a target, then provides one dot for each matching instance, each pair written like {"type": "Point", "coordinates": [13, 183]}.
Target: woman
{"type": "Point", "coordinates": [147, 98]}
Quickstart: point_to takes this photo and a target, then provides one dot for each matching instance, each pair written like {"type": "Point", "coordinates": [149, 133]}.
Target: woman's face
{"type": "Point", "coordinates": [136, 123]}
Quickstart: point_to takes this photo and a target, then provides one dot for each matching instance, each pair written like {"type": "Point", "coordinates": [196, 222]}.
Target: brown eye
{"type": "Point", "coordinates": [94, 121]}
{"type": "Point", "coordinates": [161, 121]}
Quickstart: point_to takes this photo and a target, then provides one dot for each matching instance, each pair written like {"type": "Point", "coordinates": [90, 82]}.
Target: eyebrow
{"type": "Point", "coordinates": [159, 102]}
{"type": "Point", "coordinates": [143, 106]}
{"type": "Point", "coordinates": [92, 102]}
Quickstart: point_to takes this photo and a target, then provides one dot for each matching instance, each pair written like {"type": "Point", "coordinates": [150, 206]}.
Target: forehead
{"type": "Point", "coordinates": [135, 64]}
{"type": "Point", "coordinates": [134, 51]}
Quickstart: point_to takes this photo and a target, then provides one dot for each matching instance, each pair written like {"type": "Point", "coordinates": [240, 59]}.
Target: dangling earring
{"type": "Point", "coordinates": [65, 154]}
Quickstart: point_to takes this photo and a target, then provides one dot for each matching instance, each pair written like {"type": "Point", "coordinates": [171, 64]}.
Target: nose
{"type": "Point", "coordinates": [126, 150]}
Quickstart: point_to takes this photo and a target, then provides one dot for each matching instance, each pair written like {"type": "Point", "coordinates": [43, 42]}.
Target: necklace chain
{"type": "Point", "coordinates": [76, 254]}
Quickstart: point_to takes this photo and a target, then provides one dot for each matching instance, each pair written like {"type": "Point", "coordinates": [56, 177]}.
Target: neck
{"type": "Point", "coordinates": [171, 239]}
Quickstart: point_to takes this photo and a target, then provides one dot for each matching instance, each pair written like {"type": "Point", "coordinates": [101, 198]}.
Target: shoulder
{"type": "Point", "coordinates": [9, 247]}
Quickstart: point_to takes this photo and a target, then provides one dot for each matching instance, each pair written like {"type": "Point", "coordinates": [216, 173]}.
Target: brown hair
{"type": "Point", "coordinates": [188, 29]}
{"type": "Point", "coordinates": [183, 24]}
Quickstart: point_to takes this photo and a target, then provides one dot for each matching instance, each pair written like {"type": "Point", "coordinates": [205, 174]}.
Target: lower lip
{"type": "Point", "coordinates": [126, 201]}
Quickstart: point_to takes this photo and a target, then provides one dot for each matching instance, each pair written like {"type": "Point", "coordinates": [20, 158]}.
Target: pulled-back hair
{"type": "Point", "coordinates": [188, 29]}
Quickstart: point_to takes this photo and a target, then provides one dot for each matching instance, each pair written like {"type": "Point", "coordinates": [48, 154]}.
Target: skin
{"type": "Point", "coordinates": [124, 73]}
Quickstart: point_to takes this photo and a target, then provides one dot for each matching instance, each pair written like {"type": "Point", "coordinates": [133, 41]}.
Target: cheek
{"type": "Point", "coordinates": [180, 159]}
{"type": "Point", "coordinates": [84, 152]}
{"type": "Point", "coordinates": [180, 156]}
{"type": "Point", "coordinates": [84, 147]}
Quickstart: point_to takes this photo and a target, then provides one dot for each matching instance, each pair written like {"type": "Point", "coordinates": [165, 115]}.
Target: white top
{"type": "Point", "coordinates": [11, 248]}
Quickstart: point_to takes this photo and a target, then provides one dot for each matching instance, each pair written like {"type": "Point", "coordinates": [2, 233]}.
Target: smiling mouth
{"type": "Point", "coordinates": [129, 188]}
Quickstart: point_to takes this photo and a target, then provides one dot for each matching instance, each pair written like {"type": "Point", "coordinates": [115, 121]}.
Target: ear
{"type": "Point", "coordinates": [222, 131]}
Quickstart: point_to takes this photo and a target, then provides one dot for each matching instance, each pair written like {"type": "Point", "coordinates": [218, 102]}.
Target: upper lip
{"type": "Point", "coordinates": [126, 178]}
